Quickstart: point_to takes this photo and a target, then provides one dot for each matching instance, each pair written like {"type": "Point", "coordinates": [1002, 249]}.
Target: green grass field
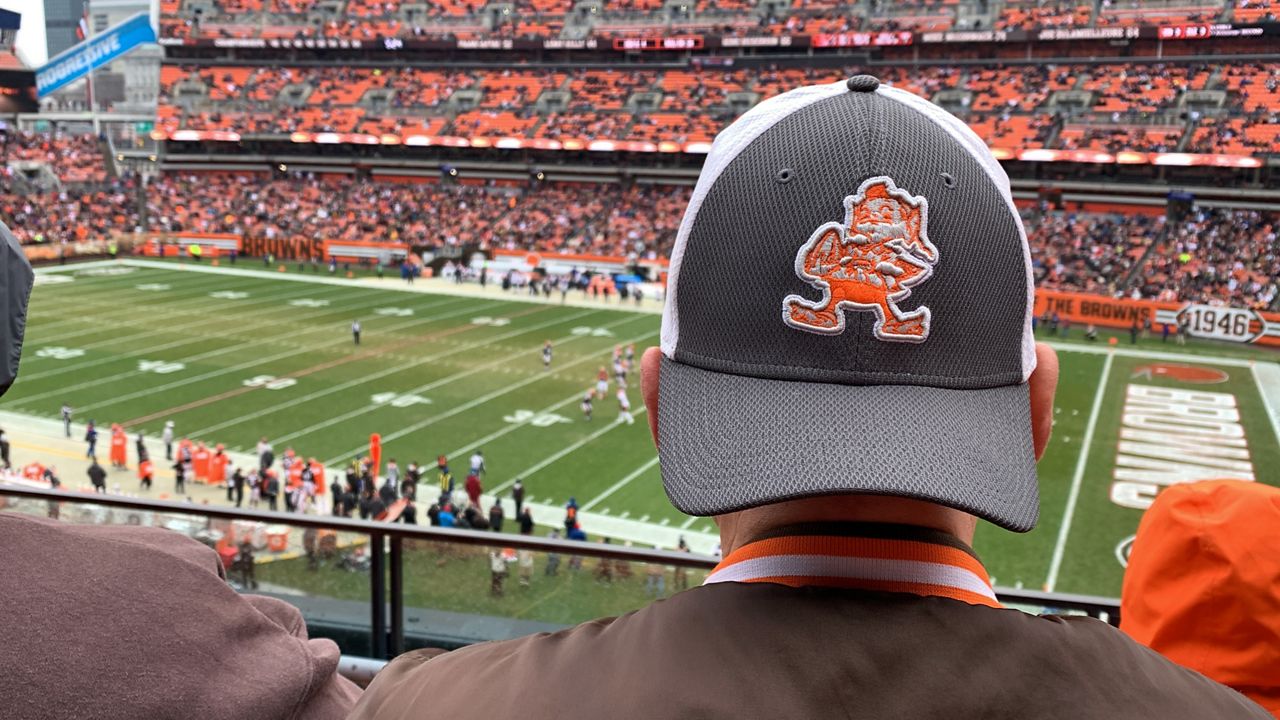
{"type": "Point", "coordinates": [231, 358]}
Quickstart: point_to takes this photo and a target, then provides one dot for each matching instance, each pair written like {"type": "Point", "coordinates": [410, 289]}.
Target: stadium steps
{"type": "Point", "coordinates": [107, 147]}
{"type": "Point", "coordinates": [1188, 133]}
{"type": "Point", "coordinates": [1136, 272]}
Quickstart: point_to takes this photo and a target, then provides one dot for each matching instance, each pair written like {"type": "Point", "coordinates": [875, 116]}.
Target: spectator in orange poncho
{"type": "Point", "coordinates": [1203, 584]}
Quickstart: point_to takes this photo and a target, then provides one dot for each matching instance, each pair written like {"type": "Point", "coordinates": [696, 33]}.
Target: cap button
{"type": "Point", "coordinates": [863, 83]}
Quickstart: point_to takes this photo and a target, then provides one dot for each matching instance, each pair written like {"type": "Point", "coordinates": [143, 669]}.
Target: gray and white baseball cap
{"type": "Point", "coordinates": [849, 311]}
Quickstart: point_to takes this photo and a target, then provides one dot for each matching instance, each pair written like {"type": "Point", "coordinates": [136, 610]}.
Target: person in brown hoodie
{"type": "Point", "coordinates": [135, 622]}
{"type": "Point", "coordinates": [1203, 584]}
{"type": "Point", "coordinates": [139, 623]}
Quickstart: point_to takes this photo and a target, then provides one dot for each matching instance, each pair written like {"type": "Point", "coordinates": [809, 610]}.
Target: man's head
{"type": "Point", "coordinates": [848, 326]}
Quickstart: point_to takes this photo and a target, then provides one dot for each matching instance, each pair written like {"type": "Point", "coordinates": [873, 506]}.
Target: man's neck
{"type": "Point", "coordinates": [746, 526]}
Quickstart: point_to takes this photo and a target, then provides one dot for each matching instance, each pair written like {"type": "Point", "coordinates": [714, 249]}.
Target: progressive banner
{"type": "Point", "coordinates": [76, 62]}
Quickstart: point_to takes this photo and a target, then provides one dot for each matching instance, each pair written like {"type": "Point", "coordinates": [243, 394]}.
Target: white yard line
{"type": "Point", "coordinates": [1068, 514]}
{"type": "Point", "coordinates": [1149, 354]}
{"type": "Point", "coordinates": [181, 309]}
{"type": "Point", "coordinates": [34, 321]}
{"type": "Point", "coordinates": [1266, 375]}
{"type": "Point", "coordinates": [422, 388]}
{"type": "Point", "coordinates": [477, 401]}
{"type": "Point", "coordinates": [621, 483]}
{"type": "Point", "coordinates": [233, 368]}
{"type": "Point", "coordinates": [395, 327]}
{"type": "Point", "coordinates": [206, 335]}
{"type": "Point", "coordinates": [532, 469]}
{"type": "Point", "coordinates": [690, 521]}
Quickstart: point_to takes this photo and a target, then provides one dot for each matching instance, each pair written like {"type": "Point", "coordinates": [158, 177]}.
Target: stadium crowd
{"type": "Point", "coordinates": [1133, 107]}
{"type": "Point", "coordinates": [1222, 256]}
{"type": "Point", "coordinates": [370, 20]}
{"type": "Point", "coordinates": [638, 221]}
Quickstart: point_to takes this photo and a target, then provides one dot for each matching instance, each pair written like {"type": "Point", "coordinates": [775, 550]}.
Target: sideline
{"type": "Point", "coordinates": [1267, 377]}
{"type": "Point", "coordinates": [35, 438]}
{"type": "Point", "coordinates": [433, 286]}
{"type": "Point", "coordinates": [1077, 479]}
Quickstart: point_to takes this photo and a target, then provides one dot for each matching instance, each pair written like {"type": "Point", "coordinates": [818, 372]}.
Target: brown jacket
{"type": "Point", "coordinates": [133, 622]}
{"type": "Point", "coordinates": [746, 651]}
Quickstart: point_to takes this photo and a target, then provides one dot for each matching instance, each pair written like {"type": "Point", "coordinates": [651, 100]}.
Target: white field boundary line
{"type": "Point", "coordinates": [1077, 479]}
{"type": "Point", "coordinates": [562, 452]}
{"type": "Point", "coordinates": [1266, 376]}
{"type": "Point", "coordinates": [234, 368]}
{"type": "Point", "coordinates": [449, 378]}
{"type": "Point", "coordinates": [369, 378]}
{"type": "Point", "coordinates": [75, 266]}
{"type": "Point", "coordinates": [1151, 354]}
{"type": "Point", "coordinates": [232, 348]}
{"type": "Point", "coordinates": [433, 286]}
{"type": "Point", "coordinates": [621, 483]}
{"type": "Point", "coordinates": [179, 309]}
{"type": "Point", "coordinates": [206, 336]}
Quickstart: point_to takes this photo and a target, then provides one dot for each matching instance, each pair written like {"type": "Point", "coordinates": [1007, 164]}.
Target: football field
{"type": "Point", "coordinates": [232, 356]}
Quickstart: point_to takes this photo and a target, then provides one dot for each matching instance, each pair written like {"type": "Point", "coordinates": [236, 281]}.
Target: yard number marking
{"type": "Point", "coordinates": [398, 400]}
{"type": "Point", "coordinates": [160, 366]}
{"type": "Point", "coordinates": [393, 311]}
{"type": "Point", "coordinates": [593, 332]}
{"type": "Point", "coordinates": [536, 419]}
{"type": "Point", "coordinates": [57, 352]}
{"type": "Point", "coordinates": [229, 295]}
{"type": "Point", "coordinates": [270, 382]}
{"type": "Point", "coordinates": [491, 321]}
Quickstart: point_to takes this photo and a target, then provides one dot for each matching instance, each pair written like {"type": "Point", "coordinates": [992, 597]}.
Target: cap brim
{"type": "Point", "coordinates": [729, 442]}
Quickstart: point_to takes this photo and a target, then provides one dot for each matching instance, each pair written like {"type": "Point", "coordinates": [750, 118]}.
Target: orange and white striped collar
{"type": "Point", "coordinates": [863, 556]}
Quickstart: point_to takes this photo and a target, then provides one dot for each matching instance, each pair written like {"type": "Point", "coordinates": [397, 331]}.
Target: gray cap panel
{"type": "Point", "coordinates": [729, 442]}
{"type": "Point", "coordinates": [739, 263]}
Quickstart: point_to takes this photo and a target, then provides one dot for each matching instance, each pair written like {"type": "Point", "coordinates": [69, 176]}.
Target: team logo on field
{"type": "Point", "coordinates": [868, 263]}
{"type": "Point", "coordinates": [1186, 373]}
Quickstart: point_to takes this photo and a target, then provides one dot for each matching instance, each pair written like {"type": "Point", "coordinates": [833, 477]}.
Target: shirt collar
{"type": "Point", "coordinates": [864, 556]}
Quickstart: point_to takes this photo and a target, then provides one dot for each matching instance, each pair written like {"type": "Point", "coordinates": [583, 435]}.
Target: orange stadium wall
{"type": "Point", "coordinates": [1103, 311]}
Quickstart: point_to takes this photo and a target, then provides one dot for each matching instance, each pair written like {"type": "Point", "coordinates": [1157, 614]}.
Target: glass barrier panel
{"type": "Point", "coordinates": [460, 594]}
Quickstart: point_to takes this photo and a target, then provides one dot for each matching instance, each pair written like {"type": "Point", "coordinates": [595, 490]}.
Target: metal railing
{"type": "Point", "coordinates": [387, 558]}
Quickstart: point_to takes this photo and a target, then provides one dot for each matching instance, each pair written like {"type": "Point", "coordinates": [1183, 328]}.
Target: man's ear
{"type": "Point", "coordinates": [1044, 383]}
{"type": "Point", "coordinates": [649, 365]}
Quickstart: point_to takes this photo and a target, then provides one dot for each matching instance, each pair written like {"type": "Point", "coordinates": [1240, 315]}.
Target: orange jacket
{"type": "Point", "coordinates": [317, 476]}
{"type": "Point", "coordinates": [218, 467]}
{"type": "Point", "coordinates": [1203, 584]}
{"type": "Point", "coordinates": [200, 461]}
{"type": "Point", "coordinates": [119, 445]}
{"type": "Point", "coordinates": [144, 469]}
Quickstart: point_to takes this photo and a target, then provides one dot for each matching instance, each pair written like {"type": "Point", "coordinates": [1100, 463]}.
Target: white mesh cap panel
{"type": "Point", "coordinates": [727, 146]}
{"type": "Point", "coordinates": [970, 141]}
